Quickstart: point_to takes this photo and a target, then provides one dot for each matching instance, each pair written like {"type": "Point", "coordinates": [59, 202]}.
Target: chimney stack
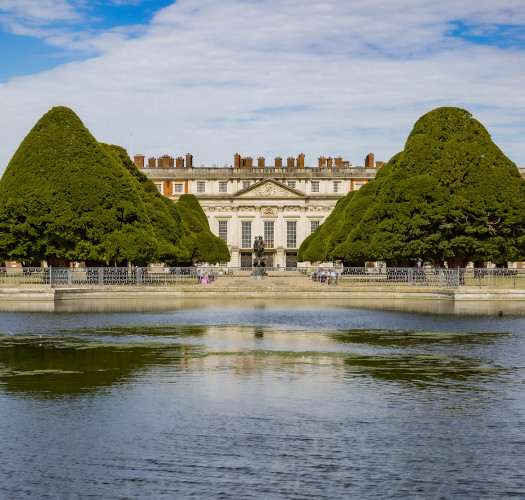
{"type": "Point", "coordinates": [139, 161]}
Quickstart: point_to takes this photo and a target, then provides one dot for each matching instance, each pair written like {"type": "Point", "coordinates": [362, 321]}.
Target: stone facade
{"type": "Point", "coordinates": [283, 204]}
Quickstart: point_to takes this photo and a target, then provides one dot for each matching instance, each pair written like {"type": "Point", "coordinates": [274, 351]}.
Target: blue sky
{"type": "Point", "coordinates": [32, 52]}
{"type": "Point", "coordinates": [263, 77]}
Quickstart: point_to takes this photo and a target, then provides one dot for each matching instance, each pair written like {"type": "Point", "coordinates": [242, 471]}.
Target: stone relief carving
{"type": "Point", "coordinates": [246, 209]}
{"type": "Point", "coordinates": [268, 211]}
{"type": "Point", "coordinates": [269, 190]}
{"type": "Point", "coordinates": [292, 209]}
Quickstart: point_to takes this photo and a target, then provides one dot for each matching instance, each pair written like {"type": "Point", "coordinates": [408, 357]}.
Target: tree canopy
{"type": "Point", "coordinates": [322, 244]}
{"type": "Point", "coordinates": [208, 247]}
{"type": "Point", "coordinates": [65, 197]}
{"type": "Point", "coordinates": [319, 245]}
{"type": "Point", "coordinates": [450, 195]}
{"type": "Point", "coordinates": [182, 229]}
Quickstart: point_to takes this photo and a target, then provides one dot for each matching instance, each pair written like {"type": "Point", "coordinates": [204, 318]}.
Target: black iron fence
{"type": "Point", "coordinates": [298, 276]}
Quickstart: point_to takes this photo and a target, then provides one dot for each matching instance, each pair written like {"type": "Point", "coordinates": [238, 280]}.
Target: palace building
{"type": "Point", "coordinates": [282, 203]}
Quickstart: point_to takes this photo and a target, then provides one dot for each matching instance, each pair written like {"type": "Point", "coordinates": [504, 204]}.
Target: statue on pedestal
{"type": "Point", "coordinates": [259, 262]}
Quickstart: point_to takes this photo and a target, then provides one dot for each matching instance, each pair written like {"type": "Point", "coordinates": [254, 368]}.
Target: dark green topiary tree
{"type": "Point", "coordinates": [318, 246]}
{"type": "Point", "coordinates": [63, 198]}
{"type": "Point", "coordinates": [452, 195]}
{"type": "Point", "coordinates": [182, 230]}
{"type": "Point", "coordinates": [329, 242]}
{"type": "Point", "coordinates": [175, 244]}
{"type": "Point", "coordinates": [350, 243]}
{"type": "Point", "coordinates": [208, 247]}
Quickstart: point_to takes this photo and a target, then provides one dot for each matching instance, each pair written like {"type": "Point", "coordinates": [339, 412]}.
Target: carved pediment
{"type": "Point", "coordinates": [269, 189]}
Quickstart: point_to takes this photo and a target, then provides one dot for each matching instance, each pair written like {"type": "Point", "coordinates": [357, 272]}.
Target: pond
{"type": "Point", "coordinates": [262, 399]}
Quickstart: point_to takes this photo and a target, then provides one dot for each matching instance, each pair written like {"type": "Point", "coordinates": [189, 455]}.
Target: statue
{"type": "Point", "coordinates": [259, 262]}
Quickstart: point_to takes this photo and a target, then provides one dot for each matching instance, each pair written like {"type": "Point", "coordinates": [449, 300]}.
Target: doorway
{"type": "Point", "coordinates": [291, 261]}
{"type": "Point", "coordinates": [246, 260]}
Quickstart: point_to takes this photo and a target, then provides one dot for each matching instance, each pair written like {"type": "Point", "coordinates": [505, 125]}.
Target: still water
{"type": "Point", "coordinates": [262, 399]}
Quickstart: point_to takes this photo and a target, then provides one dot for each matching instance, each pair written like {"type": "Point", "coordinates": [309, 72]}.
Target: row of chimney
{"type": "Point", "coordinates": [167, 161]}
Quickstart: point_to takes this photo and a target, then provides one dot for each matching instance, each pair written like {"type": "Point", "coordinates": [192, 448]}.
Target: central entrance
{"type": "Point", "coordinates": [246, 260]}
{"type": "Point", "coordinates": [269, 257]}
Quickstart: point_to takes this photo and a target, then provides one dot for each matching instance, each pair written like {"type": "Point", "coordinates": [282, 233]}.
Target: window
{"type": "Point", "coordinates": [358, 184]}
{"type": "Point", "coordinates": [223, 186]}
{"type": "Point", "coordinates": [268, 234]}
{"type": "Point", "coordinates": [291, 234]}
{"type": "Point", "coordinates": [315, 186]}
{"type": "Point", "coordinates": [245, 184]}
{"type": "Point", "coordinates": [201, 187]}
{"type": "Point", "coordinates": [158, 185]}
{"type": "Point", "coordinates": [291, 184]}
{"type": "Point", "coordinates": [246, 234]}
{"type": "Point", "coordinates": [178, 188]}
{"type": "Point", "coordinates": [314, 224]}
{"type": "Point", "coordinates": [337, 187]}
{"type": "Point", "coordinates": [223, 230]}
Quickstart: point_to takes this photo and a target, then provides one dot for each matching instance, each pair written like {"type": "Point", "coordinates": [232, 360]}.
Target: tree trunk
{"type": "Point", "coordinates": [58, 261]}
{"type": "Point", "coordinates": [457, 261]}
{"type": "Point", "coordinates": [96, 263]}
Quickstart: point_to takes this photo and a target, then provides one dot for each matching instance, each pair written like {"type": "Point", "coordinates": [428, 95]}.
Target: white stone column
{"type": "Point", "coordinates": [280, 235]}
{"type": "Point", "coordinates": [303, 227]}
{"type": "Point", "coordinates": [235, 238]}
{"type": "Point", "coordinates": [236, 258]}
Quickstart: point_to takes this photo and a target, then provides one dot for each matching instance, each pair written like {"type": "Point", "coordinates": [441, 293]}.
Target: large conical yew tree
{"type": "Point", "coordinates": [63, 198]}
{"type": "Point", "coordinates": [182, 230]}
{"type": "Point", "coordinates": [208, 247]}
{"type": "Point", "coordinates": [350, 242]}
{"type": "Point", "coordinates": [318, 245]}
{"type": "Point", "coordinates": [175, 244]}
{"type": "Point", "coordinates": [325, 244]}
{"type": "Point", "coordinates": [452, 196]}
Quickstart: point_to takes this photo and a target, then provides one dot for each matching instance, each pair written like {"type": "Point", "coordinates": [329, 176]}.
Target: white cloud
{"type": "Point", "coordinates": [343, 78]}
{"type": "Point", "coordinates": [56, 22]}
{"type": "Point", "coordinates": [37, 12]}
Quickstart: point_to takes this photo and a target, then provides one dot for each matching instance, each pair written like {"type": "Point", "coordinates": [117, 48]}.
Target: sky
{"type": "Point", "coordinates": [261, 77]}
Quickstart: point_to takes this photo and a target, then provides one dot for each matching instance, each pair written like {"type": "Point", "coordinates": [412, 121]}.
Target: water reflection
{"type": "Point", "coordinates": [143, 303]}
{"type": "Point", "coordinates": [412, 338]}
{"type": "Point", "coordinates": [80, 360]}
{"type": "Point", "coordinates": [137, 333]}
{"type": "Point", "coordinates": [48, 367]}
{"type": "Point", "coordinates": [265, 399]}
{"type": "Point", "coordinates": [424, 370]}
{"type": "Point", "coordinates": [421, 358]}
{"type": "Point", "coordinates": [21, 305]}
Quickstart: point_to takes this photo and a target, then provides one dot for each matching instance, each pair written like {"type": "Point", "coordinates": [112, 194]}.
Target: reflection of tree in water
{"type": "Point", "coordinates": [140, 331]}
{"type": "Point", "coordinates": [420, 358]}
{"type": "Point", "coordinates": [407, 338]}
{"type": "Point", "coordinates": [421, 370]}
{"type": "Point", "coordinates": [50, 366]}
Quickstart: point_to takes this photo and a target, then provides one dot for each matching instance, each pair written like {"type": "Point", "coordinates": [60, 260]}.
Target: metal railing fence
{"type": "Point", "coordinates": [79, 277]}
